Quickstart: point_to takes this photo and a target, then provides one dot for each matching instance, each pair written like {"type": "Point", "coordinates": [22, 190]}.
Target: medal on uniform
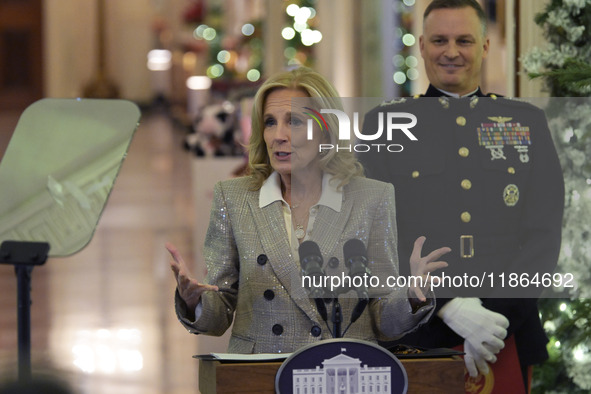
{"type": "Point", "coordinates": [496, 152]}
{"type": "Point", "coordinates": [511, 195]}
{"type": "Point", "coordinates": [494, 136]}
{"type": "Point", "coordinates": [523, 153]}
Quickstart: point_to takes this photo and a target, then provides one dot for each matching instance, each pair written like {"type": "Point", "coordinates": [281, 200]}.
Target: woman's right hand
{"type": "Point", "coordinates": [189, 289]}
{"type": "Point", "coordinates": [423, 266]}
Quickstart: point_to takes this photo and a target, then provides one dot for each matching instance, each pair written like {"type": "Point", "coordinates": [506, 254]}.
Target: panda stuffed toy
{"type": "Point", "coordinates": [214, 132]}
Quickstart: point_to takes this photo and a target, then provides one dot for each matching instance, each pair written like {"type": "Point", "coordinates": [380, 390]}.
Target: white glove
{"type": "Point", "coordinates": [474, 363]}
{"type": "Point", "coordinates": [483, 328]}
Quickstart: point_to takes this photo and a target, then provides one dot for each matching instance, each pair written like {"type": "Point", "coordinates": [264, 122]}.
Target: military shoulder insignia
{"type": "Point", "coordinates": [444, 101]}
{"type": "Point", "coordinates": [395, 101]}
{"type": "Point", "coordinates": [499, 119]}
{"type": "Point", "coordinates": [516, 99]}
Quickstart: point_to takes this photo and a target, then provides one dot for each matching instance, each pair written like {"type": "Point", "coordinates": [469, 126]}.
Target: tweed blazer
{"type": "Point", "coordinates": [249, 258]}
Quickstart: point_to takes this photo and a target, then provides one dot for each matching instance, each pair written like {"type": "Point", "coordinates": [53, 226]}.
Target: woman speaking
{"type": "Point", "coordinates": [296, 192]}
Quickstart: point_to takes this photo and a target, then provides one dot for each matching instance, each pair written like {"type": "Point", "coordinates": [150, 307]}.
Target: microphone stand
{"type": "Point", "coordinates": [337, 318]}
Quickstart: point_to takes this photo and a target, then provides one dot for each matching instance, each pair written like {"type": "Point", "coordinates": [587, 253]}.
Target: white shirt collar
{"type": "Point", "coordinates": [271, 192]}
{"type": "Point", "coordinates": [456, 95]}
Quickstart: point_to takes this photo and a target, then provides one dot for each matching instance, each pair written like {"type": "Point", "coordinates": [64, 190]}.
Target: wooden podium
{"type": "Point", "coordinates": [425, 375]}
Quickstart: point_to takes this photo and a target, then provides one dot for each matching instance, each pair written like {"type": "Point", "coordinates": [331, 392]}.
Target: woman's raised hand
{"type": "Point", "coordinates": [189, 289]}
{"type": "Point", "coordinates": [423, 266]}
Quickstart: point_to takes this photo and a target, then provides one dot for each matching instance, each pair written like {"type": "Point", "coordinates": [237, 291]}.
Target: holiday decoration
{"type": "Point", "coordinates": [564, 65]}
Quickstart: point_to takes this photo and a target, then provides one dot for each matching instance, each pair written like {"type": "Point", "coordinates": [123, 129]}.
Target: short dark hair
{"type": "Point", "coordinates": [438, 4]}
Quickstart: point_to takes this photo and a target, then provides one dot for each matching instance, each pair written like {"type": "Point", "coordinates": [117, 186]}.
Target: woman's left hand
{"type": "Point", "coordinates": [423, 266]}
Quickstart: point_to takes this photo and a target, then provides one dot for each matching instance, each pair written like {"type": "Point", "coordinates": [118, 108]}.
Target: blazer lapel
{"type": "Point", "coordinates": [271, 229]}
{"type": "Point", "coordinates": [329, 226]}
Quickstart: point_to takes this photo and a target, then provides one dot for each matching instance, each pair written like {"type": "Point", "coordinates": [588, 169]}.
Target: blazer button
{"type": "Point", "coordinates": [277, 329]}
{"type": "Point", "coordinates": [316, 331]}
{"type": "Point", "coordinates": [262, 259]}
{"type": "Point", "coordinates": [269, 295]}
{"type": "Point", "coordinates": [333, 262]}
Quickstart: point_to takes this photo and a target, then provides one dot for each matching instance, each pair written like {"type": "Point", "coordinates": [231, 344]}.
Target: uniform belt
{"type": "Point", "coordinates": [466, 246]}
{"type": "Point", "coordinates": [471, 244]}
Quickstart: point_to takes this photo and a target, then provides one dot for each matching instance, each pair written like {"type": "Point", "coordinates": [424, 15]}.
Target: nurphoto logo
{"type": "Point", "coordinates": [394, 122]}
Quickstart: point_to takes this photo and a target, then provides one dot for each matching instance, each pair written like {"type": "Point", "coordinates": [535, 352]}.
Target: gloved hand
{"type": "Point", "coordinates": [474, 363]}
{"type": "Point", "coordinates": [483, 328]}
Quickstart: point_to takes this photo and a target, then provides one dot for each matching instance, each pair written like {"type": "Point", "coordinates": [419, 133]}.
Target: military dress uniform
{"type": "Point", "coordinates": [484, 179]}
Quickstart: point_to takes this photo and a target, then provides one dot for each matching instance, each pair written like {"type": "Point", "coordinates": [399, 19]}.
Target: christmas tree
{"type": "Point", "coordinates": [564, 65]}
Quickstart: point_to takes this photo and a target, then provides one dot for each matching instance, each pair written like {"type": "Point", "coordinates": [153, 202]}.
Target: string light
{"type": "Point", "coordinates": [253, 75]}
{"type": "Point", "coordinates": [292, 9]}
{"type": "Point", "coordinates": [412, 74]}
{"type": "Point", "coordinates": [408, 39]}
{"type": "Point", "coordinates": [398, 60]}
{"type": "Point", "coordinates": [198, 32]}
{"type": "Point", "coordinates": [301, 16]}
{"type": "Point", "coordinates": [411, 61]}
{"type": "Point", "coordinates": [288, 33]}
{"type": "Point", "coordinates": [248, 29]}
{"type": "Point", "coordinates": [215, 71]}
{"type": "Point", "coordinates": [399, 77]}
{"type": "Point", "coordinates": [223, 56]}
{"type": "Point", "coordinates": [209, 33]}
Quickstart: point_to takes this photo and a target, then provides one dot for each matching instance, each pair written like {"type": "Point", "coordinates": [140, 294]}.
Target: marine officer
{"type": "Point", "coordinates": [484, 179]}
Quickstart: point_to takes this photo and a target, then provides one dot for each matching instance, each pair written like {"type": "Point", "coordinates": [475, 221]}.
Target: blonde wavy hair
{"type": "Point", "coordinates": [341, 164]}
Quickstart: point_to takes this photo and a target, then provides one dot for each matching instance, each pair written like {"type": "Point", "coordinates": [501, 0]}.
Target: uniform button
{"type": "Point", "coordinates": [511, 170]}
{"type": "Point", "coordinates": [316, 331]}
{"type": "Point", "coordinates": [333, 262]}
{"type": "Point", "coordinates": [269, 294]}
{"type": "Point", "coordinates": [277, 329]}
{"type": "Point", "coordinates": [461, 121]}
{"type": "Point", "coordinates": [466, 217]}
{"type": "Point", "coordinates": [262, 259]}
{"type": "Point", "coordinates": [415, 174]}
{"type": "Point", "coordinates": [464, 152]}
{"type": "Point", "coordinates": [466, 184]}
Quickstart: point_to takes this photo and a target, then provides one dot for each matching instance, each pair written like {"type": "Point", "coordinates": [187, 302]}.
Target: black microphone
{"type": "Point", "coordinates": [356, 260]}
{"type": "Point", "coordinates": [311, 262]}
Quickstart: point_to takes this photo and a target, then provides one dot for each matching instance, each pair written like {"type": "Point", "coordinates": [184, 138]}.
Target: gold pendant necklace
{"type": "Point", "coordinates": [299, 231]}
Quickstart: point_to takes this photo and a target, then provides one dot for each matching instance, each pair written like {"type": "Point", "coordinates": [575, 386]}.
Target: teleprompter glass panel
{"type": "Point", "coordinates": [59, 168]}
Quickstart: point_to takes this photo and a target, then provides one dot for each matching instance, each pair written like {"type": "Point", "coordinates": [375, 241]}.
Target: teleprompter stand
{"type": "Point", "coordinates": [24, 256]}
{"type": "Point", "coordinates": [56, 175]}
